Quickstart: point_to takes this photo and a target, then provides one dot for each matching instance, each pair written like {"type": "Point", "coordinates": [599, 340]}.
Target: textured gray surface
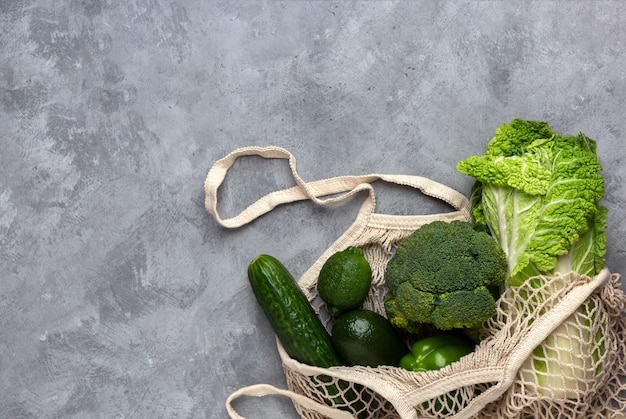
{"type": "Point", "coordinates": [119, 296]}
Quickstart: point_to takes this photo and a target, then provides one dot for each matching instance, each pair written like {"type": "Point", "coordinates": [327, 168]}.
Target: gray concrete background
{"type": "Point", "coordinates": [119, 296]}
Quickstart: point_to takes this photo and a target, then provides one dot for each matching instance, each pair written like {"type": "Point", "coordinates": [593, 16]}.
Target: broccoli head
{"type": "Point", "coordinates": [444, 274]}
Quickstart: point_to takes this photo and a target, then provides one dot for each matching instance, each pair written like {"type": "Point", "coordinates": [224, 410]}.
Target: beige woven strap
{"type": "Point", "coordinates": [339, 189]}
{"type": "Point", "coordinates": [346, 186]}
{"type": "Point", "coordinates": [260, 390]}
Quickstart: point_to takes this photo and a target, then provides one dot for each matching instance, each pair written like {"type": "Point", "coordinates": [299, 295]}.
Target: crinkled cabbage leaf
{"type": "Point", "coordinates": [539, 193]}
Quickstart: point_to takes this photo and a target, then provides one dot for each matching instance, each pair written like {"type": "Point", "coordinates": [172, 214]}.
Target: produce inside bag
{"type": "Point", "coordinates": [539, 194]}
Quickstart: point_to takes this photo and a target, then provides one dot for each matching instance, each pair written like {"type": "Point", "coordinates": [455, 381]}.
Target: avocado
{"type": "Point", "coordinates": [364, 337]}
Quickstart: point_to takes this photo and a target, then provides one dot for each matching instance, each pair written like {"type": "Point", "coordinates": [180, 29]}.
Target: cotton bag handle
{"type": "Point", "coordinates": [260, 390]}
{"type": "Point", "coordinates": [347, 186]}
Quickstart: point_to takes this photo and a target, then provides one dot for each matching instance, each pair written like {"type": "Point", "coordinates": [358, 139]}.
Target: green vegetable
{"type": "Point", "coordinates": [344, 280]}
{"type": "Point", "coordinates": [444, 274]}
{"type": "Point", "coordinates": [539, 192]}
{"type": "Point", "coordinates": [436, 352]}
{"type": "Point", "coordinates": [294, 321]}
{"type": "Point", "coordinates": [364, 337]}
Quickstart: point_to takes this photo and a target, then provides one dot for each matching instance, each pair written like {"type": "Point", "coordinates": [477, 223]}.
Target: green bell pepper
{"type": "Point", "coordinates": [436, 352]}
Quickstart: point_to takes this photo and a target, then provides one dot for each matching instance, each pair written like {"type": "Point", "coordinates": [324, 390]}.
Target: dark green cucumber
{"type": "Point", "coordinates": [292, 317]}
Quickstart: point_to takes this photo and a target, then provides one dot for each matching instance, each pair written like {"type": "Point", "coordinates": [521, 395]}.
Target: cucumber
{"type": "Point", "coordinates": [292, 317]}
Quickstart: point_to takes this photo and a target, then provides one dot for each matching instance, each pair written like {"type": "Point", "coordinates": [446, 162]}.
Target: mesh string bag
{"type": "Point", "coordinates": [567, 322]}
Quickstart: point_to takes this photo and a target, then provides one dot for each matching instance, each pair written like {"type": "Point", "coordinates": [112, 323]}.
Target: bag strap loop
{"type": "Point", "coordinates": [260, 390]}
{"type": "Point", "coordinates": [346, 186]}
{"type": "Point", "coordinates": [328, 191]}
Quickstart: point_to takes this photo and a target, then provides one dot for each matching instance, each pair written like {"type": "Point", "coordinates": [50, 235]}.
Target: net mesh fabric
{"type": "Point", "coordinates": [589, 346]}
{"type": "Point", "coordinates": [510, 372]}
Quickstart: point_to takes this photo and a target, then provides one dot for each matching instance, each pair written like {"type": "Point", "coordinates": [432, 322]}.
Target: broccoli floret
{"type": "Point", "coordinates": [476, 306]}
{"type": "Point", "coordinates": [397, 318]}
{"type": "Point", "coordinates": [444, 274]}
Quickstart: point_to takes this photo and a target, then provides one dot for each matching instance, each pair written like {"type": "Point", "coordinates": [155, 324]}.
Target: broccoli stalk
{"type": "Point", "coordinates": [444, 274]}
